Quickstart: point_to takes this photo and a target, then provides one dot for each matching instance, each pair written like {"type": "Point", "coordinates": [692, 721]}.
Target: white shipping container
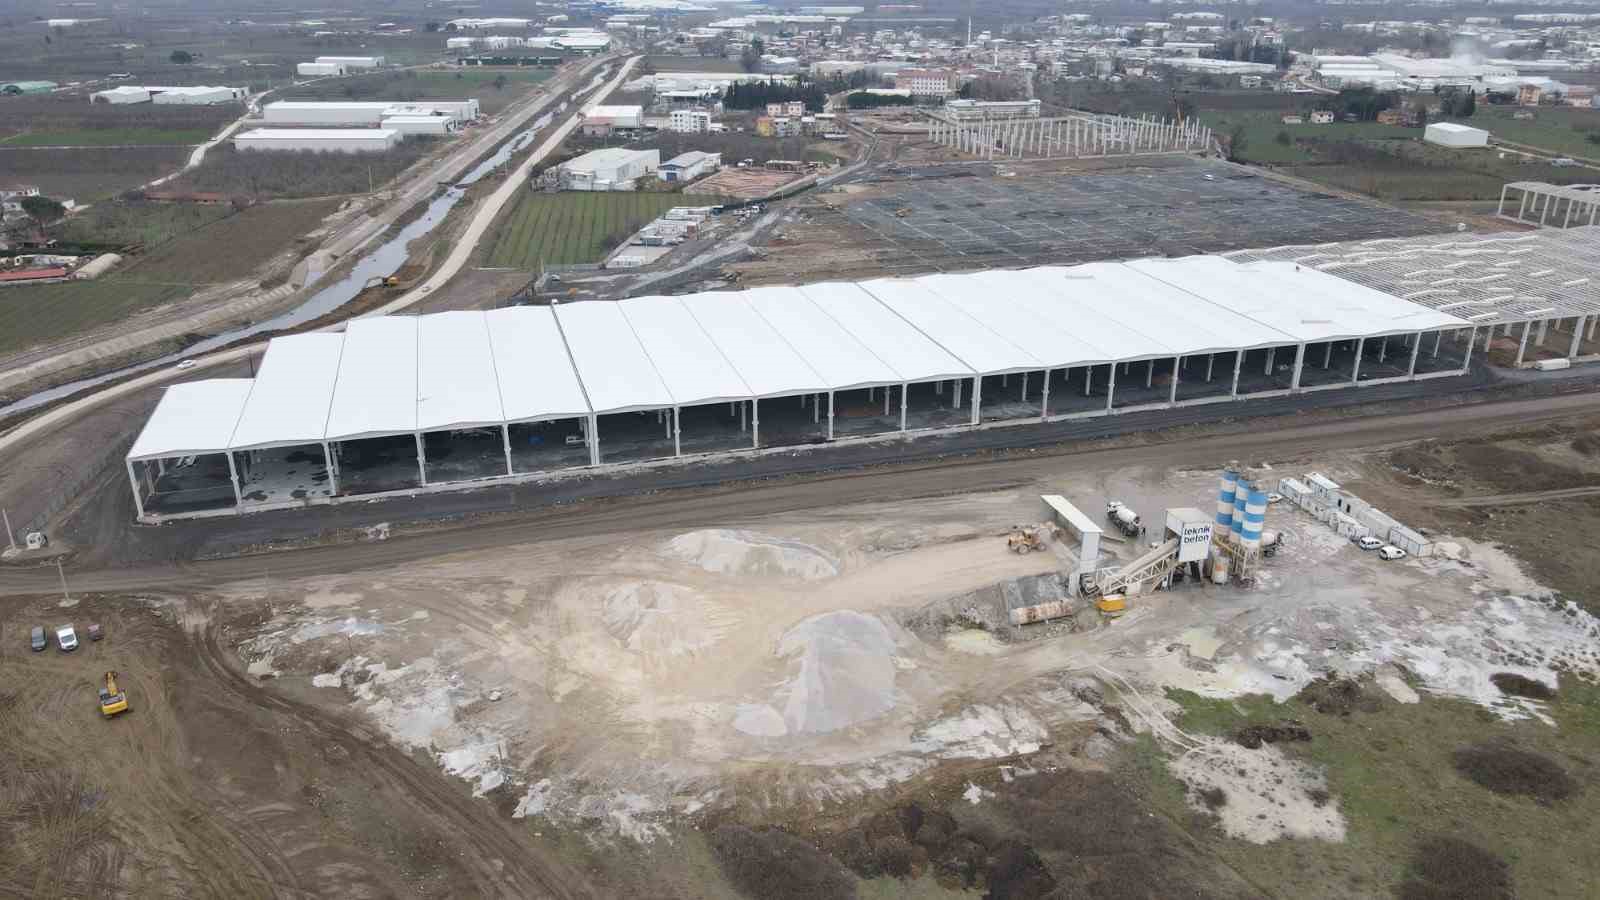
{"type": "Point", "coordinates": [310, 112]}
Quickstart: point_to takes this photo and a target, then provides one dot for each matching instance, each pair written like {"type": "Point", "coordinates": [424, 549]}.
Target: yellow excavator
{"type": "Point", "coordinates": [112, 699]}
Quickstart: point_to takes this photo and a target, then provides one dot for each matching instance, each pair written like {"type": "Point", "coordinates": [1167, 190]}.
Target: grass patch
{"type": "Point", "coordinates": [401, 85]}
{"type": "Point", "coordinates": [300, 173]}
{"type": "Point", "coordinates": [223, 250]}
{"type": "Point", "coordinates": [1261, 134]}
{"type": "Point", "coordinates": [1448, 868]}
{"type": "Point", "coordinates": [775, 864]}
{"type": "Point", "coordinates": [1561, 130]}
{"type": "Point", "coordinates": [575, 227]}
{"type": "Point", "coordinates": [1391, 768]}
{"type": "Point", "coordinates": [1508, 770]}
{"type": "Point", "coordinates": [111, 137]}
{"type": "Point", "coordinates": [140, 223]}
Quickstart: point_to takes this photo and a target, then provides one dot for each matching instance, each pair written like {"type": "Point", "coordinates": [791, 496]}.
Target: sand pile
{"type": "Point", "coordinates": [728, 552]}
{"type": "Point", "coordinates": [843, 672]}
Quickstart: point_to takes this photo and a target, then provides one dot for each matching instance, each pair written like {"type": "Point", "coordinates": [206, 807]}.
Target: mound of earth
{"type": "Point", "coordinates": [777, 865]}
{"type": "Point", "coordinates": [1253, 736]}
{"type": "Point", "coordinates": [1334, 695]}
{"type": "Point", "coordinates": [1507, 770]}
{"type": "Point", "coordinates": [1513, 685]}
{"type": "Point", "coordinates": [1448, 868]}
{"type": "Point", "coordinates": [727, 552]}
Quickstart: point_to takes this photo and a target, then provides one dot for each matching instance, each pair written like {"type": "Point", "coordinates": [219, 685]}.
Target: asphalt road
{"type": "Point", "coordinates": [721, 506]}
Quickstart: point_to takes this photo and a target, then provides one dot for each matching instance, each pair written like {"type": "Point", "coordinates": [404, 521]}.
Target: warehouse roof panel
{"type": "Point", "coordinates": [839, 358]}
{"type": "Point", "coordinates": [613, 366]}
{"type": "Point", "coordinates": [376, 393]}
{"type": "Point", "coordinates": [689, 363]}
{"type": "Point", "coordinates": [293, 388]}
{"type": "Point", "coordinates": [994, 300]}
{"type": "Point", "coordinates": [456, 382]}
{"type": "Point", "coordinates": [193, 417]}
{"type": "Point", "coordinates": [537, 380]}
{"type": "Point", "coordinates": [911, 354]}
{"type": "Point", "coordinates": [766, 362]}
{"type": "Point", "coordinates": [965, 337]}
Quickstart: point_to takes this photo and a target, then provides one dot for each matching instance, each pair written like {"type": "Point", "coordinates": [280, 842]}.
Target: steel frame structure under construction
{"type": "Point", "coordinates": [1070, 137]}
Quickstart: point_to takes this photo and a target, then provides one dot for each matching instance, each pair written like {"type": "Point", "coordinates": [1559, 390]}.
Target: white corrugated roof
{"type": "Point", "coordinates": [965, 337]}
{"type": "Point", "coordinates": [689, 363]}
{"type": "Point", "coordinates": [764, 359]}
{"type": "Point", "coordinates": [616, 372]}
{"type": "Point", "coordinates": [400, 375]}
{"type": "Point", "coordinates": [376, 393]}
{"type": "Point", "coordinates": [293, 387]}
{"type": "Point", "coordinates": [835, 354]}
{"type": "Point", "coordinates": [193, 417]}
{"type": "Point", "coordinates": [456, 382]}
{"type": "Point", "coordinates": [909, 352]}
{"type": "Point", "coordinates": [537, 380]}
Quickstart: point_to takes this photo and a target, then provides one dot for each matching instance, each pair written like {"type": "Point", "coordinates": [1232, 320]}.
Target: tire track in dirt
{"type": "Point", "coordinates": [500, 864]}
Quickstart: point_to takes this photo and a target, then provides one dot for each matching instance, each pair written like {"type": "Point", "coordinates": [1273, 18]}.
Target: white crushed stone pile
{"type": "Point", "coordinates": [1268, 796]}
{"type": "Point", "coordinates": [747, 553]}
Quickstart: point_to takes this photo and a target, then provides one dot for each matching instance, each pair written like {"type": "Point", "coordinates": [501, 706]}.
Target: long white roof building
{"type": "Point", "coordinates": [411, 374]}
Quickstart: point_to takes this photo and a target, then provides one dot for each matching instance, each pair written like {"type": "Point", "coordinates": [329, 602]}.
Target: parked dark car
{"type": "Point", "coordinates": [37, 639]}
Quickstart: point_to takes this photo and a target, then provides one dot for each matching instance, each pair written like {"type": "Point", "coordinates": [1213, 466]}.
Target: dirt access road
{"type": "Point", "coordinates": [719, 506]}
{"type": "Point", "coordinates": [210, 786]}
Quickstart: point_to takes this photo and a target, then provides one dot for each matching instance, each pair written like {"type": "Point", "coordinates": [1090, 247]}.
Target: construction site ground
{"type": "Point", "coordinates": [908, 217]}
{"type": "Point", "coordinates": [807, 688]}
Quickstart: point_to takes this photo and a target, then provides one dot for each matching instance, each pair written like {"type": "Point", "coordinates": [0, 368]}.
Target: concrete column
{"type": "Point", "coordinates": [1567, 223]}
{"type": "Point", "coordinates": [977, 398]}
{"type": "Point", "coordinates": [1577, 337]}
{"type": "Point", "coordinates": [1211, 359]}
{"type": "Point", "coordinates": [505, 438]}
{"type": "Point", "coordinates": [1272, 355]}
{"type": "Point", "coordinates": [133, 482]}
{"type": "Point", "coordinates": [1593, 320]}
{"type": "Point", "coordinates": [675, 425]}
{"type": "Point", "coordinates": [1172, 395]}
{"type": "Point", "coordinates": [1466, 361]}
{"type": "Point", "coordinates": [816, 410]}
{"type": "Point", "coordinates": [1088, 377]}
{"type": "Point", "coordinates": [1355, 370]}
{"type": "Point", "coordinates": [1522, 345]}
{"type": "Point", "coordinates": [332, 465]}
{"type": "Point", "coordinates": [1044, 402]}
{"type": "Point", "coordinates": [1327, 355]}
{"type": "Point", "coordinates": [755, 424]}
{"type": "Point", "coordinates": [161, 467]}
{"type": "Point", "coordinates": [422, 457]}
{"type": "Point", "coordinates": [744, 417]}
{"type": "Point", "coordinates": [1299, 364]}
{"type": "Point", "coordinates": [955, 392]}
{"type": "Point", "coordinates": [1024, 387]}
{"type": "Point", "coordinates": [1383, 349]}
{"type": "Point", "coordinates": [1544, 325]}
{"type": "Point", "coordinates": [1439, 336]}
{"type": "Point", "coordinates": [1416, 345]}
{"type": "Point", "coordinates": [1111, 389]}
{"type": "Point", "coordinates": [1500, 209]}
{"type": "Point", "coordinates": [903, 394]}
{"type": "Point", "coordinates": [594, 440]}
{"type": "Point", "coordinates": [1149, 372]}
{"type": "Point", "coordinates": [1544, 215]}
{"type": "Point", "coordinates": [1238, 363]}
{"type": "Point", "coordinates": [830, 415]}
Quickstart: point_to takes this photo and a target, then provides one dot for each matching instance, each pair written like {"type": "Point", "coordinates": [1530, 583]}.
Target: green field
{"type": "Point", "coordinates": [1261, 131]}
{"type": "Point", "coordinates": [110, 137]}
{"type": "Point", "coordinates": [576, 227]}
{"type": "Point", "coordinates": [1557, 129]}
{"type": "Point", "coordinates": [403, 85]}
{"type": "Point", "coordinates": [1392, 770]}
{"type": "Point", "coordinates": [224, 250]}
{"type": "Point", "coordinates": [140, 223]}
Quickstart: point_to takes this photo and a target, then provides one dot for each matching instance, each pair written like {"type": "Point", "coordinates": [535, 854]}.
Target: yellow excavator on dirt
{"type": "Point", "coordinates": [112, 699]}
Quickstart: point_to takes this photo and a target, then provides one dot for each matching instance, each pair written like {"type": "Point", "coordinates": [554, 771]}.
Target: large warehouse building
{"type": "Point", "coordinates": [321, 140]}
{"type": "Point", "coordinates": [400, 404]}
{"type": "Point", "coordinates": [340, 113]}
{"type": "Point", "coordinates": [608, 169]}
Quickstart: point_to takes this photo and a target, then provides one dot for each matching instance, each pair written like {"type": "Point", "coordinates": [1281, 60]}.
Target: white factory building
{"type": "Point", "coordinates": [190, 95]}
{"type": "Point", "coordinates": [1453, 134]}
{"type": "Point", "coordinates": [689, 166]}
{"type": "Point", "coordinates": [317, 112]}
{"type": "Point", "coordinates": [602, 120]}
{"type": "Point", "coordinates": [610, 169]}
{"type": "Point", "coordinates": [319, 70]}
{"type": "Point", "coordinates": [397, 405]}
{"type": "Point", "coordinates": [321, 140]}
{"type": "Point", "coordinates": [408, 125]}
{"type": "Point", "coordinates": [352, 62]}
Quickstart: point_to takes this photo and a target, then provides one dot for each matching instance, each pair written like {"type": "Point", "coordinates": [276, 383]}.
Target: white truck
{"type": "Point", "coordinates": [1125, 519]}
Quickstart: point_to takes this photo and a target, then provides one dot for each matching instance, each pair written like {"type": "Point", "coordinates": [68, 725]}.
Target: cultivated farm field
{"type": "Point", "coordinates": [225, 250]}
{"type": "Point", "coordinates": [576, 227]}
{"type": "Point", "coordinates": [406, 84]}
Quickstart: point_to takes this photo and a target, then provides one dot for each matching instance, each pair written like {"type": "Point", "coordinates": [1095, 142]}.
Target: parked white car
{"type": "Point", "coordinates": [1390, 551]}
{"type": "Point", "coordinates": [67, 638]}
{"type": "Point", "coordinates": [1368, 543]}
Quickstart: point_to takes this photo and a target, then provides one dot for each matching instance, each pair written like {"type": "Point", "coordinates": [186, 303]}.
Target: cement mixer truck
{"type": "Point", "coordinates": [1125, 519]}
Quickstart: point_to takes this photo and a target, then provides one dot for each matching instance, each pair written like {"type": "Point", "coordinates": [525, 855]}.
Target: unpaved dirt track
{"type": "Point", "coordinates": [721, 505]}
{"type": "Point", "coordinates": [1519, 499]}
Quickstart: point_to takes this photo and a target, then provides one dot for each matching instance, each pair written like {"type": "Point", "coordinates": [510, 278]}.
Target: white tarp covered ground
{"type": "Point", "coordinates": [405, 374]}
